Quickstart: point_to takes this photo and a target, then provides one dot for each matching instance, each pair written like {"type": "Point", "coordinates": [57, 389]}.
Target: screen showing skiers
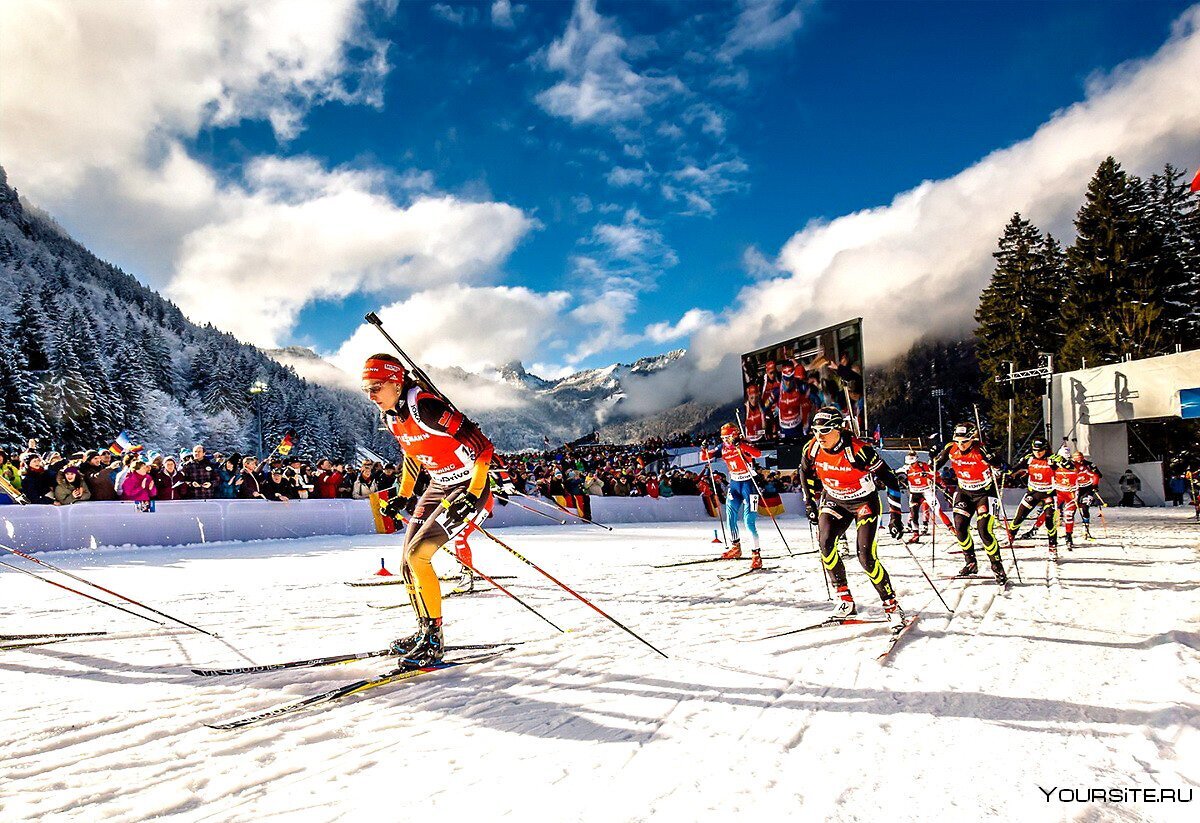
{"type": "Point", "coordinates": [783, 384]}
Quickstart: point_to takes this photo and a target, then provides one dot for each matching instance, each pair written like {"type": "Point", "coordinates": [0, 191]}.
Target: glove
{"type": "Point", "coordinates": [395, 507]}
{"type": "Point", "coordinates": [459, 510]}
{"type": "Point", "coordinates": [812, 512]}
{"type": "Point", "coordinates": [895, 527]}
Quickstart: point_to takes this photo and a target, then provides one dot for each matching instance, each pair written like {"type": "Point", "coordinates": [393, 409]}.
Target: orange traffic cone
{"type": "Point", "coordinates": [383, 572]}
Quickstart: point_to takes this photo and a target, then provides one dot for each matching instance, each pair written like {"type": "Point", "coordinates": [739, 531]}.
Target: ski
{"type": "Point", "coordinates": [713, 560]}
{"type": "Point", "coordinates": [399, 581]}
{"type": "Point", "coordinates": [354, 688]}
{"type": "Point", "coordinates": [453, 593]}
{"type": "Point", "coordinates": [747, 573]}
{"type": "Point", "coordinates": [455, 577]}
{"type": "Point", "coordinates": [828, 622]}
{"type": "Point", "coordinates": [335, 659]}
{"type": "Point", "coordinates": [897, 634]}
{"type": "Point", "coordinates": [5, 638]}
{"type": "Point", "coordinates": [24, 644]}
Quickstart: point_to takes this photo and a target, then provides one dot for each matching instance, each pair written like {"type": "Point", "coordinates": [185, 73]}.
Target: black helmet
{"type": "Point", "coordinates": [826, 419]}
{"type": "Point", "coordinates": [1039, 445]}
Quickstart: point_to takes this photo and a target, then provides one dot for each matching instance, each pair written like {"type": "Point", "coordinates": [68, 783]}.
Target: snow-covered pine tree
{"type": "Point", "coordinates": [1018, 317]}
{"type": "Point", "coordinates": [1170, 205]}
{"type": "Point", "coordinates": [1112, 304]}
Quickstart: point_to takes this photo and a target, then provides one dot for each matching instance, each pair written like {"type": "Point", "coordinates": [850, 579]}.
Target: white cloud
{"type": "Point", "coordinates": [761, 25]}
{"type": "Point", "coordinates": [99, 101]}
{"type": "Point", "coordinates": [692, 321]}
{"type": "Point", "coordinates": [457, 17]}
{"type": "Point", "coordinates": [504, 14]}
{"type": "Point", "coordinates": [757, 265]}
{"type": "Point", "coordinates": [598, 85]}
{"type": "Point", "coordinates": [90, 85]}
{"type": "Point", "coordinates": [459, 326]}
{"type": "Point", "coordinates": [916, 266]}
{"type": "Point", "coordinates": [622, 176]}
{"type": "Point", "coordinates": [302, 234]}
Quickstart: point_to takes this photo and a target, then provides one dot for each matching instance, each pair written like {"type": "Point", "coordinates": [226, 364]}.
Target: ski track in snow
{"type": "Point", "coordinates": [1086, 675]}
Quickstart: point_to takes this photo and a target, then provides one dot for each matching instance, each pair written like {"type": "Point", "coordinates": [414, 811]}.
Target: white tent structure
{"type": "Point", "coordinates": [1094, 406]}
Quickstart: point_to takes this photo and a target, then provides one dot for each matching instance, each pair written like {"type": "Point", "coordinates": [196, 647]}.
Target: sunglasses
{"type": "Point", "coordinates": [824, 429]}
{"type": "Point", "coordinates": [372, 388]}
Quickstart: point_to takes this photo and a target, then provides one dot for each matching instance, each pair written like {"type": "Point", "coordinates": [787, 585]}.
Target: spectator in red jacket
{"type": "Point", "coordinates": [327, 480]}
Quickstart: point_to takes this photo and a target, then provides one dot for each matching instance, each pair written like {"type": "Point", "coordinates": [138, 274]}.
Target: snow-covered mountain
{"type": "Point", "coordinates": [519, 410]}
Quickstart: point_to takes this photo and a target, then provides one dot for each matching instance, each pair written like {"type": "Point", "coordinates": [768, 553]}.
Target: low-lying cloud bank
{"type": "Point", "coordinates": [917, 265]}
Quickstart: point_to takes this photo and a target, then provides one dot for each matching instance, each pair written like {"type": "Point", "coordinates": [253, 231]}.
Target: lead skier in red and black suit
{"type": "Point", "coordinates": [439, 440]}
{"type": "Point", "coordinates": [973, 467]}
{"type": "Point", "coordinates": [841, 476]}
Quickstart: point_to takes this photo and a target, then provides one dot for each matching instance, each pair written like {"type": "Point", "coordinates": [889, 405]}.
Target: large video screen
{"type": "Point", "coordinates": [783, 384]}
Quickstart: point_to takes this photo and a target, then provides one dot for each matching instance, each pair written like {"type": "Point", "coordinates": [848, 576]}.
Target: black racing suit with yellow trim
{"type": "Point", "coordinates": [974, 502]}
{"type": "Point", "coordinates": [836, 514]}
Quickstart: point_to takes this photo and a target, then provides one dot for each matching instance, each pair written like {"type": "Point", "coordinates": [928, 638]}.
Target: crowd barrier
{"type": "Point", "coordinates": [93, 524]}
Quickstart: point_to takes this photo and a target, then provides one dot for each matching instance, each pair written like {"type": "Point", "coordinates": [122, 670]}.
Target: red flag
{"type": "Point", "coordinates": [1196, 181]}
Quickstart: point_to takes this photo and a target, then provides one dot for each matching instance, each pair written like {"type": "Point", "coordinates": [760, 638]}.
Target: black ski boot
{"type": "Point", "coordinates": [971, 567]}
{"type": "Point", "coordinates": [428, 647]}
{"type": "Point", "coordinates": [998, 570]}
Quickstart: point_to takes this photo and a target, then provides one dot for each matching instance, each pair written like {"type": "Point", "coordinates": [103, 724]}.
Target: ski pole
{"type": "Point", "coordinates": [712, 478]}
{"type": "Point", "coordinates": [501, 588]}
{"type": "Point", "coordinates": [13, 492]}
{"type": "Point", "coordinates": [754, 480]}
{"type": "Point", "coordinates": [76, 591]}
{"type": "Point", "coordinates": [419, 373]}
{"type": "Point", "coordinates": [76, 577]}
{"type": "Point", "coordinates": [453, 553]}
{"type": "Point", "coordinates": [821, 563]}
{"type": "Point", "coordinates": [566, 588]}
{"type": "Point", "coordinates": [999, 498]}
{"type": "Point", "coordinates": [531, 509]}
{"type": "Point", "coordinates": [565, 511]}
{"type": "Point", "coordinates": [927, 579]}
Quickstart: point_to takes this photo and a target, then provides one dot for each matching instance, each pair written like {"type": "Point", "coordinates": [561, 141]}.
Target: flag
{"type": "Point", "coordinates": [124, 444]}
{"type": "Point", "coordinates": [878, 436]}
{"type": "Point", "coordinates": [1196, 181]}
{"type": "Point", "coordinates": [546, 440]}
{"type": "Point", "coordinates": [770, 504]}
{"type": "Point", "coordinates": [383, 523]}
{"type": "Point", "coordinates": [704, 455]}
{"type": "Point", "coordinates": [287, 443]}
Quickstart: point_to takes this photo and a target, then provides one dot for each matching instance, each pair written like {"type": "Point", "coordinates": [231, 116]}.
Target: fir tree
{"type": "Point", "coordinates": [1018, 317]}
{"type": "Point", "coordinates": [1168, 210]}
{"type": "Point", "coordinates": [1112, 304]}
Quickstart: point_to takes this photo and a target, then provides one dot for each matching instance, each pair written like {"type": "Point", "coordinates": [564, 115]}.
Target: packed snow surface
{"type": "Point", "coordinates": [1085, 676]}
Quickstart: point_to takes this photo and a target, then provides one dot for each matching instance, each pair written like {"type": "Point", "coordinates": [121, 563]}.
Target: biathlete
{"type": "Point", "coordinates": [841, 476]}
{"type": "Point", "coordinates": [1038, 468]}
{"type": "Point", "coordinates": [441, 441]}
{"type": "Point", "coordinates": [922, 494]}
{"type": "Point", "coordinates": [741, 501]}
{"type": "Point", "coordinates": [973, 464]}
{"type": "Point", "coordinates": [1087, 493]}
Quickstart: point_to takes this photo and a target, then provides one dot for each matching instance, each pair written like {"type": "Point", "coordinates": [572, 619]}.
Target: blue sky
{"type": "Point", "coordinates": [569, 183]}
{"type": "Point", "coordinates": [863, 101]}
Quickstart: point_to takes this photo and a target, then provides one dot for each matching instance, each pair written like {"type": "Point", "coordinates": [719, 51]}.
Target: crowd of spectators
{"type": "Point", "coordinates": [52, 478]}
{"type": "Point", "coordinates": [60, 480]}
{"type": "Point", "coordinates": [643, 470]}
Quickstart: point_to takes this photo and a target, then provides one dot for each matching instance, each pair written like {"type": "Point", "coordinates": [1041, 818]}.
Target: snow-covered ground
{"type": "Point", "coordinates": [1086, 676]}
